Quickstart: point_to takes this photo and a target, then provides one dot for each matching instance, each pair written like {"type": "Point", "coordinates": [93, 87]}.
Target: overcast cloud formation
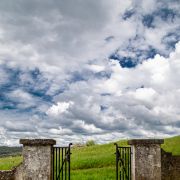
{"type": "Point", "coordinates": [86, 69]}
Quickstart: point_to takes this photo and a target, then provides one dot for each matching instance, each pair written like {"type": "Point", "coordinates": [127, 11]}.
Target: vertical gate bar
{"type": "Point", "coordinates": [116, 160]}
{"type": "Point", "coordinates": [120, 174]}
{"type": "Point", "coordinates": [124, 149]}
{"type": "Point", "coordinates": [65, 162]}
{"type": "Point", "coordinates": [56, 161]}
{"type": "Point", "coordinates": [126, 162]}
{"type": "Point", "coordinates": [69, 159]}
{"type": "Point", "coordinates": [53, 163]}
{"type": "Point", "coordinates": [59, 151]}
{"type": "Point", "coordinates": [130, 162]}
{"type": "Point", "coordinates": [120, 163]}
{"type": "Point", "coordinates": [62, 162]}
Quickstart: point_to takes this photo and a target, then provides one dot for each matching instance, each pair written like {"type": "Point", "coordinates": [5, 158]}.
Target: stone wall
{"type": "Point", "coordinates": [7, 175]}
{"type": "Point", "coordinates": [170, 166]}
{"type": "Point", "coordinates": [18, 173]}
{"type": "Point", "coordinates": [14, 174]}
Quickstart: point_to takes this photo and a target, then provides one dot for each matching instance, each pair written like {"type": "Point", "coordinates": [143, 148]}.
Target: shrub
{"type": "Point", "coordinates": [90, 143]}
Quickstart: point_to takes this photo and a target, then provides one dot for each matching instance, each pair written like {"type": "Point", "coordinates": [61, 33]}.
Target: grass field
{"type": "Point", "coordinates": [88, 163]}
{"type": "Point", "coordinates": [7, 163]}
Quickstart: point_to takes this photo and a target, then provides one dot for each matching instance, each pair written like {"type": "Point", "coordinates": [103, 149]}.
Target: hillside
{"type": "Point", "coordinates": [172, 145]}
{"type": "Point", "coordinates": [89, 162]}
{"type": "Point", "coordinates": [7, 151]}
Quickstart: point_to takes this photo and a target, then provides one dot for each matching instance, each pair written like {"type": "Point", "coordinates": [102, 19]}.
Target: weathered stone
{"type": "Point", "coordinates": [145, 141]}
{"type": "Point", "coordinates": [146, 159]}
{"type": "Point", "coordinates": [170, 166]}
{"type": "Point", "coordinates": [18, 172]}
{"type": "Point", "coordinates": [37, 159]}
{"type": "Point", "coordinates": [37, 142]}
{"type": "Point", "coordinates": [7, 175]}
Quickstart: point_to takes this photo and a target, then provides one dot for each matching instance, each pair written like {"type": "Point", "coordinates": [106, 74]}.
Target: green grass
{"type": "Point", "coordinates": [7, 163]}
{"type": "Point", "coordinates": [92, 162]}
{"type": "Point", "coordinates": [105, 173]}
{"type": "Point", "coordinates": [96, 156]}
{"type": "Point", "coordinates": [172, 145]}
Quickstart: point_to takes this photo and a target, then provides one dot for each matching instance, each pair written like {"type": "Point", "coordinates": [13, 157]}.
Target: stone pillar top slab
{"type": "Point", "coordinates": [37, 142]}
{"type": "Point", "coordinates": [145, 141]}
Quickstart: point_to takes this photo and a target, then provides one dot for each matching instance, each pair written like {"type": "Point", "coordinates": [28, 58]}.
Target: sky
{"type": "Point", "coordinates": [86, 69]}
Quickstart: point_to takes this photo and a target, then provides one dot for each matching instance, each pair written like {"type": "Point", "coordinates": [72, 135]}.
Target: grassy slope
{"type": "Point", "coordinates": [172, 145]}
{"type": "Point", "coordinates": [88, 163]}
{"type": "Point", "coordinates": [7, 163]}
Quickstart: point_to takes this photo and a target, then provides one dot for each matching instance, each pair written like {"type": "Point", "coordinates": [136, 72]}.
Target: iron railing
{"type": "Point", "coordinates": [61, 163]}
{"type": "Point", "coordinates": [123, 163]}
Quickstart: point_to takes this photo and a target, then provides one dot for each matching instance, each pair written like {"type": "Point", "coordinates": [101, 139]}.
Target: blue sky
{"type": "Point", "coordinates": [86, 69]}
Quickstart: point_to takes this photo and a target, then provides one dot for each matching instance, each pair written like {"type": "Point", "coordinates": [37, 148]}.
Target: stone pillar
{"type": "Point", "coordinates": [37, 158]}
{"type": "Point", "coordinates": [146, 159]}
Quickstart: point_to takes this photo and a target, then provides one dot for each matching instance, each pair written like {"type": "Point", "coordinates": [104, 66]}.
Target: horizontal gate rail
{"type": "Point", "coordinates": [61, 162]}
{"type": "Point", "coordinates": [123, 163]}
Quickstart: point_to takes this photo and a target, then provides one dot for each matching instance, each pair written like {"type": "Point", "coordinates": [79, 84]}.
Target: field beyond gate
{"type": "Point", "coordinates": [94, 162]}
{"type": "Point", "coordinates": [90, 162]}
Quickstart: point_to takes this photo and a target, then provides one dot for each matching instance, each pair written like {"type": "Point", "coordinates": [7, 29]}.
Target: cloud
{"type": "Point", "coordinates": [61, 107]}
{"type": "Point", "coordinates": [142, 98]}
{"type": "Point", "coordinates": [64, 31]}
{"type": "Point", "coordinates": [86, 69]}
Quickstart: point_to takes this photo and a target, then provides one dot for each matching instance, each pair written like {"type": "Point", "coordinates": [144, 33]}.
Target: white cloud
{"type": "Point", "coordinates": [142, 98]}
{"type": "Point", "coordinates": [95, 68]}
{"type": "Point", "coordinates": [60, 131]}
{"type": "Point", "coordinates": [88, 128]}
{"type": "Point", "coordinates": [145, 95]}
{"type": "Point", "coordinates": [61, 107]}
